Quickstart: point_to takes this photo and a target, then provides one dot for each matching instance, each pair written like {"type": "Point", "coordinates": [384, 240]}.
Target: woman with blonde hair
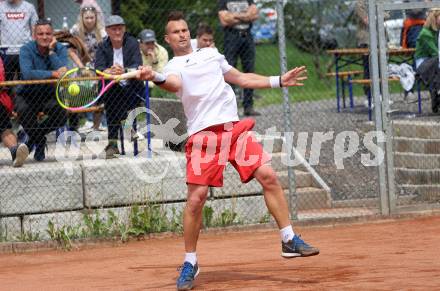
{"type": "Point", "coordinates": [427, 57]}
{"type": "Point", "coordinates": [90, 29]}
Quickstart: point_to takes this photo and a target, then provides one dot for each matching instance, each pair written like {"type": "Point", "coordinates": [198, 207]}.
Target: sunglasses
{"type": "Point", "coordinates": [88, 8]}
{"type": "Point", "coordinates": [43, 21]}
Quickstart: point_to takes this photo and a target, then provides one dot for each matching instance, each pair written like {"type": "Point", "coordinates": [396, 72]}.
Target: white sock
{"type": "Point", "coordinates": [191, 258]}
{"type": "Point", "coordinates": [287, 233]}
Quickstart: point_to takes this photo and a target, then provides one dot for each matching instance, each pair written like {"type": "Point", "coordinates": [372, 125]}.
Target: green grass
{"type": "Point", "coordinates": [315, 88]}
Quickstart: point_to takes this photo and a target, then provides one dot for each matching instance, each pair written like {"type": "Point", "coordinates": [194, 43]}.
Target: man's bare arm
{"type": "Point", "coordinates": [250, 15]}
{"type": "Point", "coordinates": [170, 83]}
{"type": "Point", "coordinates": [293, 77]}
{"type": "Point", "coordinates": [228, 18]}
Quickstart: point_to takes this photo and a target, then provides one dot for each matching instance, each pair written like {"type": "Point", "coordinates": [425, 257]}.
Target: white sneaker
{"type": "Point", "coordinates": [20, 156]}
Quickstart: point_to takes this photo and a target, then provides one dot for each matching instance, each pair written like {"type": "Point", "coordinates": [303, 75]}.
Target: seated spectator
{"type": "Point", "coordinates": [204, 37]}
{"type": "Point", "coordinates": [427, 56]}
{"type": "Point", "coordinates": [38, 111]}
{"type": "Point", "coordinates": [118, 52]}
{"type": "Point", "coordinates": [19, 152]}
{"type": "Point", "coordinates": [17, 19]}
{"type": "Point", "coordinates": [412, 25]}
{"type": "Point", "coordinates": [90, 29]}
{"type": "Point", "coordinates": [153, 54]}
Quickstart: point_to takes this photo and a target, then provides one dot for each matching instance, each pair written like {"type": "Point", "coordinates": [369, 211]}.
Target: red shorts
{"type": "Point", "coordinates": [208, 152]}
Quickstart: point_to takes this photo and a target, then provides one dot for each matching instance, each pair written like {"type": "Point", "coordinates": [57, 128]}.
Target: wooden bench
{"type": "Point", "coordinates": [344, 74]}
{"type": "Point", "coordinates": [367, 82]}
{"type": "Point", "coordinates": [343, 78]}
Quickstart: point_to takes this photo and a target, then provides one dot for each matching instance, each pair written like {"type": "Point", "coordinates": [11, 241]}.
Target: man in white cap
{"type": "Point", "coordinates": [118, 53]}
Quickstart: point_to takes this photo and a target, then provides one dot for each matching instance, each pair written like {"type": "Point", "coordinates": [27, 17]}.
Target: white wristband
{"type": "Point", "coordinates": [275, 81]}
{"type": "Point", "coordinates": [159, 78]}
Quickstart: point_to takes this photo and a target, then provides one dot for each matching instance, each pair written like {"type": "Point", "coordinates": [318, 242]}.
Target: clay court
{"type": "Point", "coordinates": [379, 255]}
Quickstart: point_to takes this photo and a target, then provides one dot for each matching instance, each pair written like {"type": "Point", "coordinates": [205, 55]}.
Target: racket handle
{"type": "Point", "coordinates": [129, 75]}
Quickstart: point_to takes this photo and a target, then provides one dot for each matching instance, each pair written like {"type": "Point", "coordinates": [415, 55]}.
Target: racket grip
{"type": "Point", "coordinates": [128, 75]}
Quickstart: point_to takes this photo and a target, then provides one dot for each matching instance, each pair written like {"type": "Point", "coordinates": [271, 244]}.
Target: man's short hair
{"type": "Point", "coordinates": [175, 16]}
{"type": "Point", "coordinates": [204, 28]}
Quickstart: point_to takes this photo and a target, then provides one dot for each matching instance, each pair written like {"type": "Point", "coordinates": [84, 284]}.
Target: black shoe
{"type": "Point", "coordinates": [251, 112]}
{"type": "Point", "coordinates": [297, 248]}
{"type": "Point", "coordinates": [40, 154]}
{"type": "Point", "coordinates": [111, 151]}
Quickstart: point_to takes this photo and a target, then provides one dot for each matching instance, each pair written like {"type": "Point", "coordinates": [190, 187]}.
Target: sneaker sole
{"type": "Point", "coordinates": [192, 285]}
{"type": "Point", "coordinates": [21, 155]}
{"type": "Point", "coordinates": [295, 255]}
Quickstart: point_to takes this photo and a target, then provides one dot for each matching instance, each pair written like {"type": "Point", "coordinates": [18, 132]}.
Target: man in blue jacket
{"type": "Point", "coordinates": [115, 55]}
{"type": "Point", "coordinates": [38, 110]}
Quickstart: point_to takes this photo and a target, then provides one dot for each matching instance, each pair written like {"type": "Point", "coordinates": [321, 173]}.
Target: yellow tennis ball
{"type": "Point", "coordinates": [73, 89]}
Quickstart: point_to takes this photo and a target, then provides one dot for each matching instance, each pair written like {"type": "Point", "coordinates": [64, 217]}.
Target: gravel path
{"type": "Point", "coordinates": [355, 180]}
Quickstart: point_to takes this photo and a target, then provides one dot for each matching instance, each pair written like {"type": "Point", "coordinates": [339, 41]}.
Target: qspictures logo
{"type": "Point", "coordinates": [15, 15]}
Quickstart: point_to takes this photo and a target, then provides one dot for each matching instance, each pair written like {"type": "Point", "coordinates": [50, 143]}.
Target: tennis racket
{"type": "Point", "coordinates": [79, 89]}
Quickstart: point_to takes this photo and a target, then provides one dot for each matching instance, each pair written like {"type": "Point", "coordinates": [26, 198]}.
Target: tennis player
{"type": "Point", "coordinates": [217, 136]}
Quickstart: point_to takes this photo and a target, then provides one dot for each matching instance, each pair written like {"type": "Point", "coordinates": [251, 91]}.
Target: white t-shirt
{"type": "Point", "coordinates": [207, 99]}
{"type": "Point", "coordinates": [194, 43]}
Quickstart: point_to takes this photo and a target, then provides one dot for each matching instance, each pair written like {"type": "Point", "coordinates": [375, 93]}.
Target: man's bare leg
{"type": "Point", "coordinates": [192, 216]}
{"type": "Point", "coordinates": [273, 195]}
{"type": "Point", "coordinates": [292, 245]}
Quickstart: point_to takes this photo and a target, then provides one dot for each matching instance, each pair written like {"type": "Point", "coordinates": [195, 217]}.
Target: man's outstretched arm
{"type": "Point", "coordinates": [291, 78]}
{"type": "Point", "coordinates": [171, 83]}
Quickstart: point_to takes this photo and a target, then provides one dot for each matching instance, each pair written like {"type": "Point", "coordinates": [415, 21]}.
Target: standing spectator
{"type": "Point", "coordinates": [17, 19]}
{"type": "Point", "coordinates": [19, 152]}
{"type": "Point", "coordinates": [90, 29]}
{"type": "Point", "coordinates": [37, 109]}
{"type": "Point", "coordinates": [236, 17]}
{"type": "Point", "coordinates": [153, 54]}
{"type": "Point", "coordinates": [118, 52]}
{"type": "Point", "coordinates": [204, 37]}
{"type": "Point", "coordinates": [427, 56]}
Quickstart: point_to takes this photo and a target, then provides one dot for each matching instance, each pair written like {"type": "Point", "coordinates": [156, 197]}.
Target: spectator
{"type": "Point", "coordinates": [38, 110]}
{"type": "Point", "coordinates": [427, 56]}
{"type": "Point", "coordinates": [204, 37]}
{"type": "Point", "coordinates": [90, 29]}
{"type": "Point", "coordinates": [153, 54]}
{"type": "Point", "coordinates": [17, 19]}
{"type": "Point", "coordinates": [117, 52]}
{"type": "Point", "coordinates": [19, 152]}
{"type": "Point", "coordinates": [92, 3]}
{"type": "Point", "coordinates": [412, 25]}
{"type": "Point", "coordinates": [236, 17]}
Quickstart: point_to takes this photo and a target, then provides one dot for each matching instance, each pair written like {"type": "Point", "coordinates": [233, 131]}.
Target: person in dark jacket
{"type": "Point", "coordinates": [38, 111]}
{"type": "Point", "coordinates": [118, 53]}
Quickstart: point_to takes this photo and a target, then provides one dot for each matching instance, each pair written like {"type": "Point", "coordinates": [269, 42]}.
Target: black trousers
{"type": "Point", "coordinates": [12, 66]}
{"type": "Point", "coordinates": [117, 102]}
{"type": "Point", "coordinates": [240, 44]}
{"type": "Point", "coordinates": [36, 126]}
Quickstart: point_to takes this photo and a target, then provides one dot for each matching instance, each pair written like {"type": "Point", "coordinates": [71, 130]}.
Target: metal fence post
{"type": "Point", "coordinates": [286, 105]}
{"type": "Point", "coordinates": [375, 93]}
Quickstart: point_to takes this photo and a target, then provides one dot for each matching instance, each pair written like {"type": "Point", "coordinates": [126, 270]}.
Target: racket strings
{"type": "Point", "coordinates": [78, 93]}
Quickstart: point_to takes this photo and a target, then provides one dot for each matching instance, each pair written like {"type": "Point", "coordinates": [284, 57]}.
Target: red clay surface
{"type": "Point", "coordinates": [390, 255]}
